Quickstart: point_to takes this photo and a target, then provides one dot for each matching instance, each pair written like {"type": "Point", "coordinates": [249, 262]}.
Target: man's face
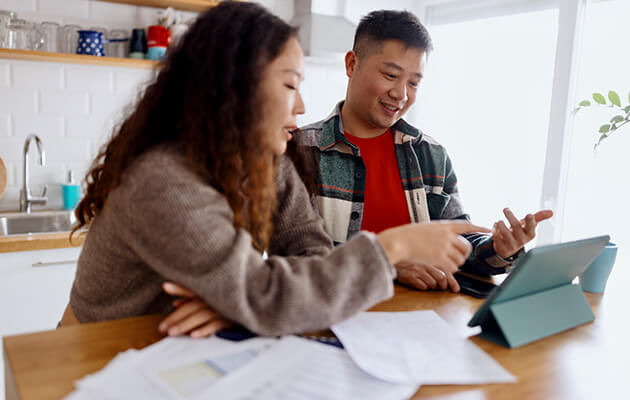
{"type": "Point", "coordinates": [383, 85]}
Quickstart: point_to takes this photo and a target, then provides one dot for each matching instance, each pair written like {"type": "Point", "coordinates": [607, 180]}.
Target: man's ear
{"type": "Point", "coordinates": [352, 63]}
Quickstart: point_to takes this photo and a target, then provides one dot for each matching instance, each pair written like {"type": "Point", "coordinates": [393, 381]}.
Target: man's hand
{"type": "Point", "coordinates": [191, 316]}
{"type": "Point", "coordinates": [425, 277]}
{"type": "Point", "coordinates": [508, 242]}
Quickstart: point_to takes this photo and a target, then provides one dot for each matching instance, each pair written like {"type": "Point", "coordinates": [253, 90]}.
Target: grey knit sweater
{"type": "Point", "coordinates": [164, 224]}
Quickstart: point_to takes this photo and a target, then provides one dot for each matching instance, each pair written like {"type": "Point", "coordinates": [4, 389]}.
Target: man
{"type": "Point", "coordinates": [375, 171]}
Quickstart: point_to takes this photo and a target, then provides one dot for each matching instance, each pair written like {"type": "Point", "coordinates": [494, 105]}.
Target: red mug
{"type": "Point", "coordinates": [157, 35]}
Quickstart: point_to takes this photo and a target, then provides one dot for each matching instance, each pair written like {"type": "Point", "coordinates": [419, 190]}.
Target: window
{"type": "Point", "coordinates": [598, 192]}
{"type": "Point", "coordinates": [486, 96]}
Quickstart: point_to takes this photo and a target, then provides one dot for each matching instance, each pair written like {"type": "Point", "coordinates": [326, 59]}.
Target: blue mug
{"type": "Point", "coordinates": [90, 43]}
{"type": "Point", "coordinates": [594, 278]}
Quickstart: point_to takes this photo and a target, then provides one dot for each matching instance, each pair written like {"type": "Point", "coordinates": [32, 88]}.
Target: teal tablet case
{"type": "Point", "coordinates": [538, 299]}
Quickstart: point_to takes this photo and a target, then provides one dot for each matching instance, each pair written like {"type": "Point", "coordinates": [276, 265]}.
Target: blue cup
{"type": "Point", "coordinates": [156, 53]}
{"type": "Point", "coordinates": [91, 43]}
{"type": "Point", "coordinates": [71, 195]}
{"type": "Point", "coordinates": [594, 278]}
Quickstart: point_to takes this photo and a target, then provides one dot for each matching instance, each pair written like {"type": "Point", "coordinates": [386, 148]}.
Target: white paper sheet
{"type": "Point", "coordinates": [416, 347]}
{"type": "Point", "coordinates": [301, 369]}
{"type": "Point", "coordinates": [132, 374]}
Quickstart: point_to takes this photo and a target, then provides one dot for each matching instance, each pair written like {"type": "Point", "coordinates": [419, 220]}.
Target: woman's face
{"type": "Point", "coordinates": [281, 98]}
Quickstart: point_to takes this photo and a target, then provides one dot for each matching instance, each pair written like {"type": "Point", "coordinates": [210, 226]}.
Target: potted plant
{"type": "Point", "coordinates": [622, 112]}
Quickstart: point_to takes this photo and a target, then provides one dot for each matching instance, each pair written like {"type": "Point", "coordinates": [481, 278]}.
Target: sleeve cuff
{"type": "Point", "coordinates": [372, 237]}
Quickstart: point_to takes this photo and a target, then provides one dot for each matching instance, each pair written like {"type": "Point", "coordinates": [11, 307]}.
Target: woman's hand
{"type": "Point", "coordinates": [437, 244]}
{"type": "Point", "coordinates": [191, 316]}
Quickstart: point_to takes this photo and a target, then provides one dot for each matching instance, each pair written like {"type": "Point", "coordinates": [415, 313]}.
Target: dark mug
{"type": "Point", "coordinates": [138, 43]}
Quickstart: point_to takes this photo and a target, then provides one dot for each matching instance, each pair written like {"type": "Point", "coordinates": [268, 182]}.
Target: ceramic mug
{"type": "Point", "coordinates": [594, 278]}
{"type": "Point", "coordinates": [138, 44]}
{"type": "Point", "coordinates": [90, 43]}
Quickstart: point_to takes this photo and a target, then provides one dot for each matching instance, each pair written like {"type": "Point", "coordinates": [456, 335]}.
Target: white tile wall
{"type": "Point", "coordinates": [92, 79]}
{"type": "Point", "coordinates": [29, 75]}
{"type": "Point", "coordinates": [5, 125]}
{"type": "Point", "coordinates": [4, 74]}
{"type": "Point", "coordinates": [66, 8]}
{"type": "Point", "coordinates": [71, 107]}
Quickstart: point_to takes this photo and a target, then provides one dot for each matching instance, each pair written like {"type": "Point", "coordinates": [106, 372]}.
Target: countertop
{"type": "Point", "coordinates": [40, 241]}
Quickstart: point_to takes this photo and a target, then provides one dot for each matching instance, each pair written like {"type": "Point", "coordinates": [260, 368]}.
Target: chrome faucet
{"type": "Point", "coordinates": [26, 197]}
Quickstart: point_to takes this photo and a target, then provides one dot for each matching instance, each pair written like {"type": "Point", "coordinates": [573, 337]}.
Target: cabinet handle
{"type": "Point", "coordinates": [53, 263]}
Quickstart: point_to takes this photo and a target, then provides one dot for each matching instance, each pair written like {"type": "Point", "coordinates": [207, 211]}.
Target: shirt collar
{"type": "Point", "coordinates": [332, 132]}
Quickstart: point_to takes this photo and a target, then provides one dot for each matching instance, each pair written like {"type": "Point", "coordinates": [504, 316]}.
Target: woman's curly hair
{"type": "Point", "coordinates": [205, 100]}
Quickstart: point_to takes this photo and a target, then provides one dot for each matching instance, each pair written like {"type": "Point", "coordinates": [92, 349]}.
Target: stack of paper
{"type": "Point", "coordinates": [188, 369]}
{"type": "Point", "coordinates": [387, 356]}
{"type": "Point", "coordinates": [416, 347]}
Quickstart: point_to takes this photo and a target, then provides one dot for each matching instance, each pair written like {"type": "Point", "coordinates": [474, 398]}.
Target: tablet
{"type": "Point", "coordinates": [543, 268]}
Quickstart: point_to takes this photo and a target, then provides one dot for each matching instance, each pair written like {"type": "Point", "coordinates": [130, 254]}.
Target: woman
{"type": "Point", "coordinates": [193, 188]}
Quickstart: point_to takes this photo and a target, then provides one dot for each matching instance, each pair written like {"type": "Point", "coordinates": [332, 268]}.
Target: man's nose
{"type": "Point", "coordinates": [399, 91]}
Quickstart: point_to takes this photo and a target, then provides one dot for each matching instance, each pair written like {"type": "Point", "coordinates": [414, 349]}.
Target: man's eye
{"type": "Point", "coordinates": [290, 87]}
{"type": "Point", "coordinates": [414, 84]}
{"type": "Point", "coordinates": [390, 76]}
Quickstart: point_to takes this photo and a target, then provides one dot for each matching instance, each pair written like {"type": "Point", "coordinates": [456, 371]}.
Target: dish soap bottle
{"type": "Point", "coordinates": [71, 192]}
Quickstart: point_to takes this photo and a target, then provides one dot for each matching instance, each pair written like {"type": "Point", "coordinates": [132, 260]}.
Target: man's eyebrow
{"type": "Point", "coordinates": [399, 68]}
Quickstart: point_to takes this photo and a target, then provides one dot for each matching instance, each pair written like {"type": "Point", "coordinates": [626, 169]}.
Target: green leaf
{"type": "Point", "coordinates": [599, 98]}
{"type": "Point", "coordinates": [604, 128]}
{"type": "Point", "coordinates": [617, 119]}
{"type": "Point", "coordinates": [628, 97]}
{"type": "Point", "coordinates": [627, 109]}
{"type": "Point", "coordinates": [601, 138]}
{"type": "Point", "coordinates": [584, 103]}
{"type": "Point", "coordinates": [614, 98]}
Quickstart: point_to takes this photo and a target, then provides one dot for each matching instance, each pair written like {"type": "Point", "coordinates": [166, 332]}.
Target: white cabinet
{"type": "Point", "coordinates": [34, 291]}
{"type": "Point", "coordinates": [34, 288]}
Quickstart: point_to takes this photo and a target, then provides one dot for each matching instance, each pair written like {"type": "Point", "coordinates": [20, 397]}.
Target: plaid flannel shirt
{"type": "Point", "coordinates": [427, 177]}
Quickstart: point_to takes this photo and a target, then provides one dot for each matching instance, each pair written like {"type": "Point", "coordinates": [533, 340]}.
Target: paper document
{"type": "Point", "coordinates": [185, 380]}
{"type": "Point", "coordinates": [416, 347]}
{"type": "Point", "coordinates": [168, 369]}
{"type": "Point", "coordinates": [301, 369]}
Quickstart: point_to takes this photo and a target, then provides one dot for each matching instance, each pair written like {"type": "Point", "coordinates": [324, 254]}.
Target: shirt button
{"type": "Point", "coordinates": [354, 215]}
{"type": "Point", "coordinates": [358, 174]}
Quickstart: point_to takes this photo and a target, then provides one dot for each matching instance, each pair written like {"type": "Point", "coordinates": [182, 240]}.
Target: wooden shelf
{"type": "Point", "coordinates": [75, 59]}
{"type": "Point", "coordinates": [181, 5]}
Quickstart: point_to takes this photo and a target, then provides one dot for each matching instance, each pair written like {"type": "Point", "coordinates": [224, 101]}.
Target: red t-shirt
{"type": "Point", "coordinates": [384, 203]}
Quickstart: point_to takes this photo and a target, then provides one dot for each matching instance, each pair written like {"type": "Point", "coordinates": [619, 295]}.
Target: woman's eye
{"type": "Point", "coordinates": [414, 84]}
{"type": "Point", "coordinates": [291, 87]}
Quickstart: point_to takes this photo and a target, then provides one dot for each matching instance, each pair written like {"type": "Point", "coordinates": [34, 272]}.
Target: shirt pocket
{"type": "Point", "coordinates": [437, 203]}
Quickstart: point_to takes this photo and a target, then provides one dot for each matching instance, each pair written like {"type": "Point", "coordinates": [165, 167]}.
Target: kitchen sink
{"type": "Point", "coordinates": [36, 222]}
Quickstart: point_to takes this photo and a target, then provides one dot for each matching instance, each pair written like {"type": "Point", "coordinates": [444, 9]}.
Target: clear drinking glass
{"type": "Point", "coordinates": [52, 36]}
{"type": "Point", "coordinates": [70, 38]}
{"type": "Point", "coordinates": [24, 35]}
{"type": "Point", "coordinates": [117, 44]}
{"type": "Point", "coordinates": [5, 18]}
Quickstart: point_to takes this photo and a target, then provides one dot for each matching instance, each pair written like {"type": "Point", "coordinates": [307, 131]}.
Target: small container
{"type": "Point", "coordinates": [71, 192]}
{"type": "Point", "coordinates": [138, 44]}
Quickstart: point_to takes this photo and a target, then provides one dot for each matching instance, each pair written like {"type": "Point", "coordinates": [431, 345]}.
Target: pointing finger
{"type": "Point", "coordinates": [543, 215]}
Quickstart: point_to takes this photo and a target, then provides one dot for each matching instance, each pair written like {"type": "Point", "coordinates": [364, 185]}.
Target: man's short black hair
{"type": "Point", "coordinates": [379, 26]}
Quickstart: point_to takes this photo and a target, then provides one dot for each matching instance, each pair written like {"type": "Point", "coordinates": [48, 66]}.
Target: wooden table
{"type": "Point", "coordinates": [588, 362]}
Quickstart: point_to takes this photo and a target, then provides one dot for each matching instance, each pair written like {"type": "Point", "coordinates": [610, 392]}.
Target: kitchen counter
{"type": "Point", "coordinates": [40, 241]}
